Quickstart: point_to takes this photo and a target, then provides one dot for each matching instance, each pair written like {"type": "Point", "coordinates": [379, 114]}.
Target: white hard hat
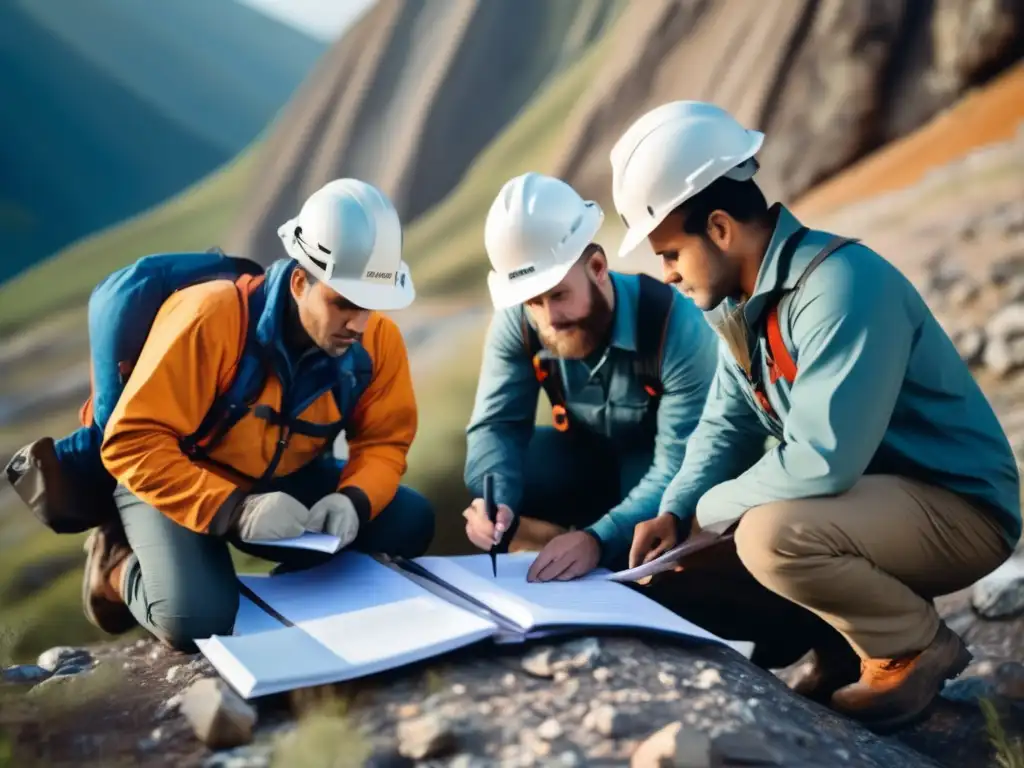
{"type": "Point", "coordinates": [537, 228]}
{"type": "Point", "coordinates": [669, 155]}
{"type": "Point", "coordinates": [348, 234]}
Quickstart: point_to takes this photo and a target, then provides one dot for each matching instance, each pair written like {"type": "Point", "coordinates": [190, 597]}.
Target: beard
{"type": "Point", "coordinates": [576, 340]}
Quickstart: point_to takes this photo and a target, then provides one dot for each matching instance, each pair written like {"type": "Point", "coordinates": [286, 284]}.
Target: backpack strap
{"type": "Point", "coordinates": [545, 369]}
{"type": "Point", "coordinates": [247, 382]}
{"type": "Point", "coordinates": [781, 363]}
{"type": "Point", "coordinates": [653, 309]}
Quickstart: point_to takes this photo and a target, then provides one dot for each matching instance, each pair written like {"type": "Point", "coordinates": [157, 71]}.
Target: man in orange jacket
{"type": "Point", "coordinates": [317, 330]}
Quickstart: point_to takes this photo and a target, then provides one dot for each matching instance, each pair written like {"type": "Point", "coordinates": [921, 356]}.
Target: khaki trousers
{"type": "Point", "coordinates": [870, 561]}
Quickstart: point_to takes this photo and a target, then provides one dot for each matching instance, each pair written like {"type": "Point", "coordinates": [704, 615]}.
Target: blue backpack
{"type": "Point", "coordinates": [76, 492]}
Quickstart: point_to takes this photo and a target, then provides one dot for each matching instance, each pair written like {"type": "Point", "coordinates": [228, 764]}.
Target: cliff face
{"type": "Point", "coordinates": [417, 92]}
{"type": "Point", "coordinates": [827, 80]}
{"type": "Point", "coordinates": [409, 97]}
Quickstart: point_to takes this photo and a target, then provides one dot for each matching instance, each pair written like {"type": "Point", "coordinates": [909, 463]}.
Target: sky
{"type": "Point", "coordinates": [325, 19]}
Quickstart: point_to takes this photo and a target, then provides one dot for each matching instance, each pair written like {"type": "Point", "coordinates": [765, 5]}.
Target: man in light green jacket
{"type": "Point", "coordinates": [892, 481]}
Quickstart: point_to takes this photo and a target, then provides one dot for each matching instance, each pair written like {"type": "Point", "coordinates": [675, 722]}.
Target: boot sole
{"type": "Point", "coordinates": [118, 619]}
{"type": "Point", "coordinates": [888, 725]}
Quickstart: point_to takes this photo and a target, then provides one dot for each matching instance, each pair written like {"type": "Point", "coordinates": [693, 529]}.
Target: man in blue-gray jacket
{"type": "Point", "coordinates": [625, 361]}
{"type": "Point", "coordinates": [892, 481]}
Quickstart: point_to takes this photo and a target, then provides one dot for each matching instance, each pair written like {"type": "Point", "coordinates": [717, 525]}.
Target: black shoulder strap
{"type": "Point", "coordinates": [831, 247]}
{"type": "Point", "coordinates": [653, 307]}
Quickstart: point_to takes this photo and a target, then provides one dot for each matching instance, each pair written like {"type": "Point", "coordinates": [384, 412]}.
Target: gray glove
{"type": "Point", "coordinates": [272, 516]}
{"type": "Point", "coordinates": [336, 514]}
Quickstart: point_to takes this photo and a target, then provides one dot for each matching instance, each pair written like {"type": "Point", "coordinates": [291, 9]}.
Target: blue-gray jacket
{"type": "Point", "coordinates": [880, 390]}
{"type": "Point", "coordinates": [609, 400]}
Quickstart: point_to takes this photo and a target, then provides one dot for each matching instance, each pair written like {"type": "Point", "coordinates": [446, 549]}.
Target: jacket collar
{"type": "Point", "coordinates": [624, 319]}
{"type": "Point", "coordinates": [773, 276]}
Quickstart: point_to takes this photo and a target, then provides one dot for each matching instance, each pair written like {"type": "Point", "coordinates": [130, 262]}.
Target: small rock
{"type": "Point", "coordinates": [962, 292]}
{"type": "Point", "coordinates": [534, 743]}
{"type": "Point", "coordinates": [744, 748]}
{"type": "Point", "coordinates": [583, 653]}
{"type": "Point", "coordinates": [1000, 594]}
{"type": "Point", "coordinates": [1004, 351]}
{"type": "Point", "coordinates": [459, 689]}
{"type": "Point", "coordinates": [1007, 268]}
{"type": "Point", "coordinates": [25, 674]}
{"type": "Point", "coordinates": [562, 676]}
{"type": "Point", "coordinates": [509, 680]}
{"type": "Point", "coordinates": [57, 657]}
{"type": "Point", "coordinates": [152, 741]}
{"type": "Point", "coordinates": [425, 736]}
{"type": "Point", "coordinates": [130, 666]}
{"type": "Point", "coordinates": [1009, 680]}
{"type": "Point", "coordinates": [970, 344]}
{"type": "Point", "coordinates": [707, 678]}
{"type": "Point", "coordinates": [169, 707]}
{"type": "Point", "coordinates": [842, 754]}
{"type": "Point", "coordinates": [570, 758]}
{"type": "Point", "coordinates": [550, 729]}
{"type": "Point", "coordinates": [602, 674]}
{"type": "Point", "coordinates": [538, 663]}
{"type": "Point", "coordinates": [967, 690]}
{"type": "Point", "coordinates": [408, 710]}
{"type": "Point", "coordinates": [175, 674]}
{"type": "Point", "coordinates": [668, 680]}
{"type": "Point", "coordinates": [673, 745]}
{"type": "Point", "coordinates": [220, 718]}
{"type": "Point", "coordinates": [157, 652]}
{"type": "Point", "coordinates": [603, 719]}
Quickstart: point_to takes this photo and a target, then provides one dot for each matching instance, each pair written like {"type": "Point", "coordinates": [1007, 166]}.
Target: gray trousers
{"type": "Point", "coordinates": [181, 585]}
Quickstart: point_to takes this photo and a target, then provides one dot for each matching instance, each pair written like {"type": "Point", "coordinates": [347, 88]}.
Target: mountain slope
{"type": "Point", "coordinates": [120, 105]}
{"type": "Point", "coordinates": [409, 97]}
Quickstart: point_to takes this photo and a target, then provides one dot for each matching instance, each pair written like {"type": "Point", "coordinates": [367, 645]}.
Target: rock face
{"type": "Point", "coordinates": [828, 81]}
{"type": "Point", "coordinates": [414, 91]}
{"type": "Point", "coordinates": [408, 98]}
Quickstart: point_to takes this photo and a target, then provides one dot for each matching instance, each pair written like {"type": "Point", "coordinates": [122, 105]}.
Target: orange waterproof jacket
{"type": "Point", "coordinates": [190, 357]}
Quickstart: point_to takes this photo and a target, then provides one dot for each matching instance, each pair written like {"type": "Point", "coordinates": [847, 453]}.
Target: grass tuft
{"type": "Point", "coordinates": [1009, 753]}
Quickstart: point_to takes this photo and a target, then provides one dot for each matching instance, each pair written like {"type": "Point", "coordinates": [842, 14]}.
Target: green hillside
{"type": "Point", "coordinates": [121, 105]}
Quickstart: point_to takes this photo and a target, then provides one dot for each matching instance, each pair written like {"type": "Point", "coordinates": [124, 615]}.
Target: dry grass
{"type": "Point", "coordinates": [324, 737]}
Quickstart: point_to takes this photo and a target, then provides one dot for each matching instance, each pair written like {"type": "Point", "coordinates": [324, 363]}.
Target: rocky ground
{"type": "Point", "coordinates": [601, 701]}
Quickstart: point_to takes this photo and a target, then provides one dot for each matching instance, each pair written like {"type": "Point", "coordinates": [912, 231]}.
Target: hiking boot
{"type": "Point", "coordinates": [895, 692]}
{"type": "Point", "coordinates": [827, 672]}
{"type": "Point", "coordinates": [105, 548]}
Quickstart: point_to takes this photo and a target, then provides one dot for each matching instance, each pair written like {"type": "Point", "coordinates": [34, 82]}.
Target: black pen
{"type": "Point", "coordinates": [492, 515]}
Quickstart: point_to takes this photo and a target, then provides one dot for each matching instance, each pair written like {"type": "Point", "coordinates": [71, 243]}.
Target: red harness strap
{"type": "Point", "coordinates": [780, 362]}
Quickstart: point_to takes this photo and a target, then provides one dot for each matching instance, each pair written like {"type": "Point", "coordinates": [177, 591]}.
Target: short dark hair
{"type": "Point", "coordinates": [743, 200]}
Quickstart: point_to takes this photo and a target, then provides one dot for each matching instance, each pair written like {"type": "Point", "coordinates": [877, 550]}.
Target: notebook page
{"type": "Point", "coordinates": [362, 611]}
{"type": "Point", "coordinates": [317, 542]}
{"type": "Point", "coordinates": [592, 601]}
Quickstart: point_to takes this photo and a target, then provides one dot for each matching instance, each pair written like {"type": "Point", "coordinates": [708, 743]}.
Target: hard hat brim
{"type": "Point", "coordinates": [506, 293]}
{"type": "Point", "coordinates": [634, 237]}
{"type": "Point", "coordinates": [367, 295]}
{"type": "Point", "coordinates": [374, 296]}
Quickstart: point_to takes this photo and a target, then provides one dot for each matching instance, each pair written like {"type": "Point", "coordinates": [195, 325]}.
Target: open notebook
{"type": "Point", "coordinates": [357, 615]}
